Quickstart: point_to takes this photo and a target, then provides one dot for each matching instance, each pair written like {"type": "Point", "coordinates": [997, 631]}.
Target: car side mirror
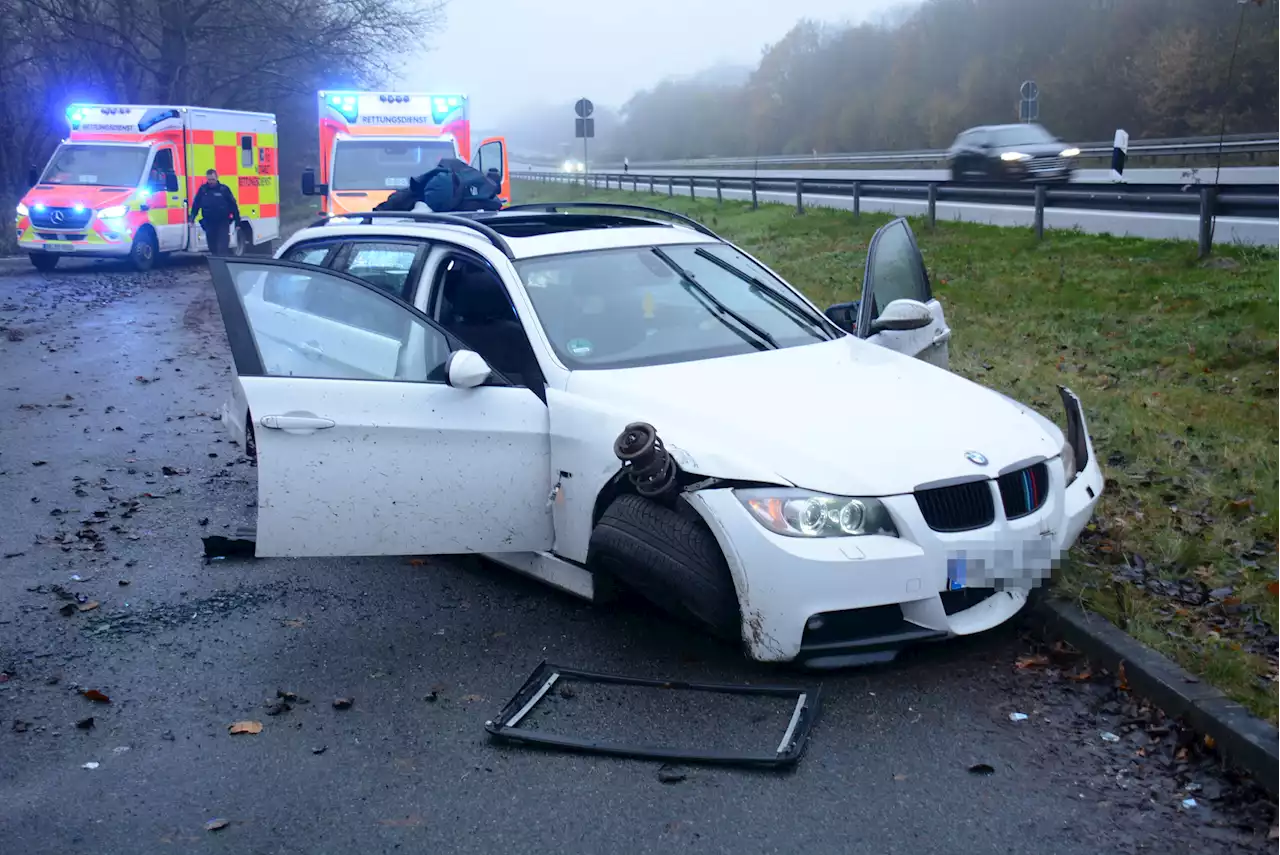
{"type": "Point", "coordinates": [33, 176]}
{"type": "Point", "coordinates": [170, 182]}
{"type": "Point", "coordinates": [466, 369]}
{"type": "Point", "coordinates": [902, 315]}
{"type": "Point", "coordinates": [309, 186]}
{"type": "Point", "coordinates": [844, 315]}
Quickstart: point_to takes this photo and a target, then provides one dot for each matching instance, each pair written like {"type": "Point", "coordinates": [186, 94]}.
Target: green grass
{"type": "Point", "coordinates": [1175, 362]}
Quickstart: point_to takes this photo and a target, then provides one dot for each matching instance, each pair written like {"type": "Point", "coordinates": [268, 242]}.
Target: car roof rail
{"type": "Point", "coordinates": [367, 218]}
{"type": "Point", "coordinates": [553, 207]}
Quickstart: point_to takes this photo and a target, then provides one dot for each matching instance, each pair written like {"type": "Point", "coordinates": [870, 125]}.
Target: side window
{"type": "Point", "coordinates": [163, 164]}
{"type": "Point", "coordinates": [246, 151]}
{"type": "Point", "coordinates": [384, 264]}
{"type": "Point", "coordinates": [895, 270]}
{"type": "Point", "coordinates": [490, 157]}
{"type": "Point", "coordinates": [311, 323]}
{"type": "Point", "coordinates": [313, 252]}
{"type": "Point", "coordinates": [472, 303]}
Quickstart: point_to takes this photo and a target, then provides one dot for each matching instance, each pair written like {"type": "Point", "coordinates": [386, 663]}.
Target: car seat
{"type": "Point", "coordinates": [485, 320]}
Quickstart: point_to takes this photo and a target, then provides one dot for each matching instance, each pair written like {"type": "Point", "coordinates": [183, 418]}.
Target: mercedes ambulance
{"type": "Point", "coordinates": [121, 184]}
{"type": "Point", "coordinates": [372, 143]}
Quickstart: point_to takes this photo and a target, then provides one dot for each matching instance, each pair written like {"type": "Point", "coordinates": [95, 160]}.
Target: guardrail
{"type": "Point", "coordinates": [1251, 145]}
{"type": "Point", "coordinates": [1205, 201]}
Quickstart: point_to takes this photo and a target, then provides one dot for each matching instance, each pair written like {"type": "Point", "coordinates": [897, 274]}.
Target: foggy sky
{"type": "Point", "coordinates": [510, 55]}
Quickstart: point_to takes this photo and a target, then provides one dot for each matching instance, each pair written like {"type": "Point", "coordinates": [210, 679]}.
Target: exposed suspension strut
{"type": "Point", "coordinates": [645, 460]}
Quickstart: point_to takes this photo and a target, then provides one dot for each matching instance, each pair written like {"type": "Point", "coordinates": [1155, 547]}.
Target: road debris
{"type": "Point", "coordinates": [96, 696]}
{"type": "Point", "coordinates": [342, 703]}
{"type": "Point", "coordinates": [85, 723]}
{"type": "Point", "coordinates": [669, 774]}
{"type": "Point", "coordinates": [1017, 716]}
{"type": "Point", "coordinates": [1108, 736]}
{"type": "Point", "coordinates": [92, 764]}
{"type": "Point", "coordinates": [249, 727]}
{"type": "Point", "coordinates": [216, 824]}
{"type": "Point", "coordinates": [982, 769]}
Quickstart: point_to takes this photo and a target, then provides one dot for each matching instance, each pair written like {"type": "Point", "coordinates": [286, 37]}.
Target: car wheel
{"type": "Point", "coordinates": [44, 261]}
{"type": "Point", "coordinates": [143, 253]}
{"type": "Point", "coordinates": [671, 560]}
{"type": "Point", "coordinates": [244, 237]}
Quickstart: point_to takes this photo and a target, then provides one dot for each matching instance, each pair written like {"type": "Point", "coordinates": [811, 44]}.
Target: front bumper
{"type": "Point", "coordinates": [94, 240]}
{"type": "Point", "coordinates": [833, 602]}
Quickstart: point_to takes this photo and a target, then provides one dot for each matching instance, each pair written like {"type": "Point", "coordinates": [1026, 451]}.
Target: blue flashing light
{"type": "Point", "coordinates": [38, 206]}
{"type": "Point", "coordinates": [78, 208]}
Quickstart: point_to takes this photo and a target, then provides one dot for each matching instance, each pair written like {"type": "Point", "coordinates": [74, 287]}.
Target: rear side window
{"type": "Point", "coordinates": [312, 252]}
{"type": "Point", "coordinates": [385, 264]}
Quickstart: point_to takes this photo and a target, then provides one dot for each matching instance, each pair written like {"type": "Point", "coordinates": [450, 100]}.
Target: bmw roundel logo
{"type": "Point", "coordinates": [976, 457]}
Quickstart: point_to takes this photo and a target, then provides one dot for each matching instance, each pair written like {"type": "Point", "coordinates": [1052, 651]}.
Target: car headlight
{"type": "Point", "coordinates": [22, 210]}
{"type": "Point", "coordinates": [113, 213]}
{"type": "Point", "coordinates": [1070, 152]}
{"type": "Point", "coordinates": [800, 513]}
{"type": "Point", "coordinates": [1015, 155]}
{"type": "Point", "coordinates": [1069, 461]}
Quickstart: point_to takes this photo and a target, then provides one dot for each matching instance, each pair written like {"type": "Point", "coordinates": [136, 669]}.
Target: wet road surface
{"type": "Point", "coordinates": [113, 466]}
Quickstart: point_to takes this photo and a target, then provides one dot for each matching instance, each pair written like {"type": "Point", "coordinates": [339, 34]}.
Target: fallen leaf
{"type": "Point", "coordinates": [216, 824]}
{"type": "Point", "coordinates": [245, 727]}
{"type": "Point", "coordinates": [295, 623]}
{"type": "Point", "coordinates": [1209, 741]}
{"type": "Point", "coordinates": [1034, 661]}
{"type": "Point", "coordinates": [416, 562]}
{"type": "Point", "coordinates": [89, 606]}
{"type": "Point", "coordinates": [95, 695]}
{"type": "Point", "coordinates": [342, 703]}
{"type": "Point", "coordinates": [1122, 681]}
{"type": "Point", "coordinates": [1273, 588]}
{"type": "Point", "coordinates": [1082, 676]}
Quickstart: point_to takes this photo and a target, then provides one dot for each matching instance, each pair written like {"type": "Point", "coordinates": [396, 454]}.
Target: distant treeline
{"type": "Point", "coordinates": [1157, 68]}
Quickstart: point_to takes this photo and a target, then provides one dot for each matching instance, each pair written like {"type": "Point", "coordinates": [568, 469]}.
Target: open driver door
{"type": "Point", "coordinates": [492, 156]}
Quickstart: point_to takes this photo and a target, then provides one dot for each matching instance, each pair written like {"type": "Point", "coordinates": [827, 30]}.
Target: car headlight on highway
{"type": "Point", "coordinates": [1070, 152]}
{"type": "Point", "coordinates": [800, 513]}
{"type": "Point", "coordinates": [22, 210]}
{"type": "Point", "coordinates": [115, 212]}
{"type": "Point", "coordinates": [1014, 155]}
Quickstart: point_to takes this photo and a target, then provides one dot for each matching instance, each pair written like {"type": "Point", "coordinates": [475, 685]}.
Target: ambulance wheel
{"type": "Point", "coordinates": [44, 261]}
{"type": "Point", "coordinates": [145, 250]}
{"type": "Point", "coordinates": [244, 238]}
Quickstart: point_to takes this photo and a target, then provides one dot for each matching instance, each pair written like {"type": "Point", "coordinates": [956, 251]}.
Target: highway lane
{"type": "Point", "coordinates": [1230, 175]}
{"type": "Point", "coordinates": [1258, 232]}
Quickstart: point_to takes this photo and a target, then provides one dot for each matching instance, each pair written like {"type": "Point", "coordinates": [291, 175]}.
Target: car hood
{"type": "Point", "coordinates": [69, 195]}
{"type": "Point", "coordinates": [844, 417]}
{"type": "Point", "coordinates": [1052, 149]}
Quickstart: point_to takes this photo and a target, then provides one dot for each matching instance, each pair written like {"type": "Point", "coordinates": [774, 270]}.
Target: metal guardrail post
{"type": "Point", "coordinates": [671, 187]}
{"type": "Point", "coordinates": [799, 195]}
{"type": "Point", "coordinates": [755, 196]}
{"type": "Point", "coordinates": [933, 205]}
{"type": "Point", "coordinates": [651, 190]}
{"type": "Point", "coordinates": [634, 182]}
{"type": "Point", "coordinates": [692, 194]}
{"type": "Point", "coordinates": [1041, 194]}
{"type": "Point", "coordinates": [1208, 200]}
{"type": "Point", "coordinates": [857, 200]}
{"type": "Point", "coordinates": [719, 193]}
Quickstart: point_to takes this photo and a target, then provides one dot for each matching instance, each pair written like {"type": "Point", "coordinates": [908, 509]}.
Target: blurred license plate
{"type": "Point", "coordinates": [59, 246]}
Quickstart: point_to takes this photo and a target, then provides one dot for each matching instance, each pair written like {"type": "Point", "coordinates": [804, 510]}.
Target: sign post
{"type": "Point", "coordinates": [584, 127]}
{"type": "Point", "coordinates": [1029, 101]}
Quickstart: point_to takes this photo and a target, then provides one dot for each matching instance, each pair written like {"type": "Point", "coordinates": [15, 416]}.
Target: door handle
{"type": "Point", "coordinates": [296, 424]}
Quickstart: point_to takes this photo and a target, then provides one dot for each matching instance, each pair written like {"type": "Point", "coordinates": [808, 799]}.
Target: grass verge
{"type": "Point", "coordinates": [1175, 361]}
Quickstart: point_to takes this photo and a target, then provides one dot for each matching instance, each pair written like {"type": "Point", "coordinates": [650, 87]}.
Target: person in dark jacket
{"type": "Point", "coordinates": [218, 204]}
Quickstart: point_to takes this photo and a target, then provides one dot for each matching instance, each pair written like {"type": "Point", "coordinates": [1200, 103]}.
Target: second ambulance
{"type": "Point", "coordinates": [372, 143]}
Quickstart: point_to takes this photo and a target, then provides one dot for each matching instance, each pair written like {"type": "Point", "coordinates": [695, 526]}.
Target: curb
{"type": "Point", "coordinates": [1241, 738]}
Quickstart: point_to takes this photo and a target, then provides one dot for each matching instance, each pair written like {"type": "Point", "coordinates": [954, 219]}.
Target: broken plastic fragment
{"type": "Point", "coordinates": [1108, 736]}
{"type": "Point", "coordinates": [92, 764]}
{"type": "Point", "coordinates": [1017, 716]}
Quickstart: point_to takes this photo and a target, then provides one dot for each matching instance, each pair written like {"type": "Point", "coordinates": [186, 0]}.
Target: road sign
{"type": "Point", "coordinates": [1028, 110]}
{"type": "Point", "coordinates": [583, 108]}
{"type": "Point", "coordinates": [1029, 91]}
{"type": "Point", "coordinates": [584, 128]}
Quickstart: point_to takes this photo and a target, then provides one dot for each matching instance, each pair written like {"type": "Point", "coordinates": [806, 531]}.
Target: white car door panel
{"type": "Point", "coordinates": [895, 270]}
{"type": "Point", "coordinates": [374, 454]}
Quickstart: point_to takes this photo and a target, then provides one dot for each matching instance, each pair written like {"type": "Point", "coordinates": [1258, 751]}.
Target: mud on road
{"type": "Point", "coordinates": [113, 466]}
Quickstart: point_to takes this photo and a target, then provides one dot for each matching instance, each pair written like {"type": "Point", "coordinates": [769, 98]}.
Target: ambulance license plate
{"type": "Point", "coordinates": [59, 246]}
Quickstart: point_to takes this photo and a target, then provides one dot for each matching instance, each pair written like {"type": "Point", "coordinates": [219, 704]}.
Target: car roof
{"type": "Point", "coordinates": [521, 231]}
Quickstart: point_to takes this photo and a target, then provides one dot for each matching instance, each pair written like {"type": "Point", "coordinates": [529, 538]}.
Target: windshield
{"type": "Point", "coordinates": [1021, 135]}
{"type": "Point", "coordinates": [96, 166]}
{"type": "Point", "coordinates": [384, 165]}
{"type": "Point", "coordinates": [624, 308]}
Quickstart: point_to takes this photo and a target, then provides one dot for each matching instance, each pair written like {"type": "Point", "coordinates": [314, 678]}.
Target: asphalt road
{"type": "Point", "coordinates": [109, 377]}
{"type": "Point", "coordinates": [1228, 230]}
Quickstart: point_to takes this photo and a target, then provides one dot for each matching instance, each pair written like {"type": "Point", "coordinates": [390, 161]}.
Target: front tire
{"type": "Point", "coordinates": [673, 561]}
{"type": "Point", "coordinates": [44, 261]}
{"type": "Point", "coordinates": [244, 239]}
{"type": "Point", "coordinates": [145, 250]}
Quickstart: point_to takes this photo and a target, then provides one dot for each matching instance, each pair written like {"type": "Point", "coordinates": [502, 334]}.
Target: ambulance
{"type": "Point", "coordinates": [121, 184]}
{"type": "Point", "coordinates": [372, 143]}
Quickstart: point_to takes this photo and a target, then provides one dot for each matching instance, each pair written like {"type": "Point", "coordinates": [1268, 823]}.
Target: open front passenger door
{"type": "Point", "coordinates": [364, 447]}
{"type": "Point", "coordinates": [492, 155]}
{"type": "Point", "coordinates": [898, 309]}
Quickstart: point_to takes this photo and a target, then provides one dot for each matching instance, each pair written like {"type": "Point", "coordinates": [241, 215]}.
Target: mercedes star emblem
{"type": "Point", "coordinates": [976, 457]}
{"type": "Point", "coordinates": [57, 216]}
